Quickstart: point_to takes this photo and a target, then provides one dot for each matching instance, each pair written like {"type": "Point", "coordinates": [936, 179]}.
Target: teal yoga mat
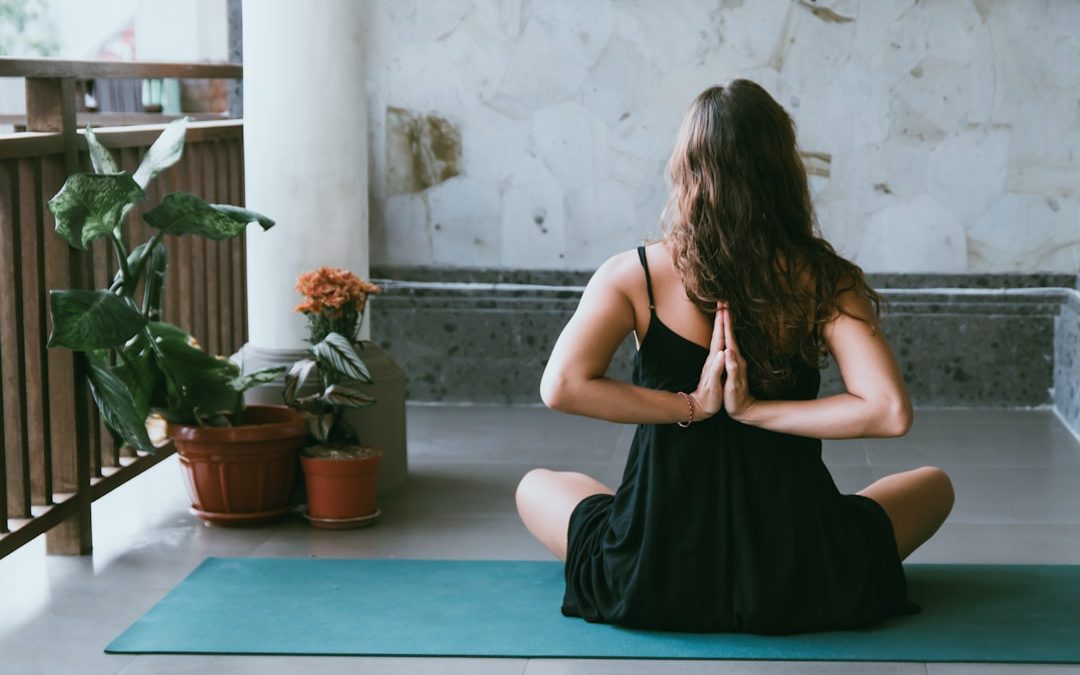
{"type": "Point", "coordinates": [1012, 613]}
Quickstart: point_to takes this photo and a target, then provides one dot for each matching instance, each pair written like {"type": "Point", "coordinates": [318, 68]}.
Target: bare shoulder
{"type": "Point", "coordinates": [854, 311]}
{"type": "Point", "coordinates": [619, 272]}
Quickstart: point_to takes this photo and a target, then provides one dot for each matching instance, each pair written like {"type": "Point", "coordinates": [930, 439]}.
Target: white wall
{"type": "Point", "coordinates": [952, 126]}
{"type": "Point", "coordinates": [196, 30]}
{"type": "Point", "coordinates": [83, 27]}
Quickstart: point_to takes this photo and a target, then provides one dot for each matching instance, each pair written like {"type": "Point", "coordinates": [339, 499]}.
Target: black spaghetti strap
{"type": "Point", "coordinates": [648, 279]}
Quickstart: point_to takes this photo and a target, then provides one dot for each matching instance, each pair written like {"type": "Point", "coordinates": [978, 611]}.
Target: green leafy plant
{"type": "Point", "coordinates": [137, 364]}
{"type": "Point", "coordinates": [334, 301]}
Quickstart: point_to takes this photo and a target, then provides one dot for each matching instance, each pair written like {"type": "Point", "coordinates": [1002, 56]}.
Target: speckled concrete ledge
{"type": "Point", "coordinates": [491, 275]}
{"type": "Point", "coordinates": [962, 340]}
{"type": "Point", "coordinates": [1067, 362]}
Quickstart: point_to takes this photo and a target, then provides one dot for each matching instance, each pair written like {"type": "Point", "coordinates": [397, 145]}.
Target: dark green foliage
{"type": "Point", "coordinates": [184, 213]}
{"type": "Point", "coordinates": [87, 320]}
{"type": "Point", "coordinates": [137, 364]}
{"type": "Point", "coordinates": [90, 206]}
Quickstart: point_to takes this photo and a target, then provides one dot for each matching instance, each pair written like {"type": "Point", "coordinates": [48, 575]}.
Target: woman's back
{"type": "Point", "coordinates": [722, 526]}
{"type": "Point", "coordinates": [726, 518]}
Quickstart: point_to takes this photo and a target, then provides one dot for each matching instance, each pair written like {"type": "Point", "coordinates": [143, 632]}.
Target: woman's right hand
{"type": "Point", "coordinates": [709, 395]}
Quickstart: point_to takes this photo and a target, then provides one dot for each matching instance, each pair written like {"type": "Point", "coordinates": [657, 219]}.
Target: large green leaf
{"type": "Point", "coordinates": [90, 205]}
{"type": "Point", "coordinates": [166, 151]}
{"type": "Point", "coordinates": [336, 352]}
{"type": "Point", "coordinates": [85, 320]}
{"type": "Point", "coordinates": [115, 403]}
{"type": "Point", "coordinates": [203, 382]}
{"type": "Point", "coordinates": [100, 157]}
{"type": "Point", "coordinates": [184, 213]}
{"type": "Point", "coordinates": [347, 396]}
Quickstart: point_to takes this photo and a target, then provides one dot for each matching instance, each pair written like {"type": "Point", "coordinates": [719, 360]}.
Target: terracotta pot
{"type": "Point", "coordinates": [242, 474]}
{"type": "Point", "coordinates": [341, 491]}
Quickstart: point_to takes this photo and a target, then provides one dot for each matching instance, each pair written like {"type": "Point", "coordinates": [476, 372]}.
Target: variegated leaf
{"type": "Point", "coordinates": [319, 426]}
{"type": "Point", "coordinates": [347, 395]}
{"type": "Point", "coordinates": [296, 378]}
{"type": "Point", "coordinates": [338, 353]}
{"type": "Point", "coordinates": [165, 152]}
{"type": "Point", "coordinates": [312, 403]}
{"type": "Point", "coordinates": [246, 381]}
{"type": "Point", "coordinates": [184, 213]}
{"type": "Point", "coordinates": [85, 320]}
{"type": "Point", "coordinates": [100, 157]}
{"type": "Point", "coordinates": [90, 206]}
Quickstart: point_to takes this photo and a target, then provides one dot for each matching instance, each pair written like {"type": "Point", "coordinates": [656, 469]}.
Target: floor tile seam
{"type": "Point", "coordinates": [187, 546]}
{"type": "Point", "coordinates": [132, 660]}
{"type": "Point", "coordinates": [752, 662]}
{"type": "Point", "coordinates": [1027, 522]}
{"type": "Point", "coordinates": [962, 465]}
{"type": "Point", "coordinates": [375, 528]}
{"type": "Point", "coordinates": [500, 462]}
{"type": "Point", "coordinates": [427, 519]}
{"type": "Point", "coordinates": [525, 459]}
{"type": "Point", "coordinates": [1053, 469]}
{"type": "Point", "coordinates": [84, 592]}
{"type": "Point", "coordinates": [1075, 433]}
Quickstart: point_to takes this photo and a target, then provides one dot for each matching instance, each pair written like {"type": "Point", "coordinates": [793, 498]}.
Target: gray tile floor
{"type": "Point", "coordinates": [1016, 473]}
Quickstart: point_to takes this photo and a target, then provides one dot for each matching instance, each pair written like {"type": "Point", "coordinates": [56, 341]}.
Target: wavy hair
{"type": "Point", "coordinates": [742, 229]}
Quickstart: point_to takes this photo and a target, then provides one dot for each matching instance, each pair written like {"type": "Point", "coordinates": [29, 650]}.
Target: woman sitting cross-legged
{"type": "Point", "coordinates": [726, 518]}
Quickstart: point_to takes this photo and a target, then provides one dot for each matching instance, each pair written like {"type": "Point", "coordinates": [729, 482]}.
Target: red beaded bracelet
{"type": "Point", "coordinates": [690, 404]}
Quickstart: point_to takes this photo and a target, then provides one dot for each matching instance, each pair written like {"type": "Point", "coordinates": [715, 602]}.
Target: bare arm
{"type": "Point", "coordinates": [876, 402]}
{"type": "Point", "coordinates": [574, 380]}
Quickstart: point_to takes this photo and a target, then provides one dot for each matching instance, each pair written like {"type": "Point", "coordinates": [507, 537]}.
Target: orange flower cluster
{"type": "Point", "coordinates": [329, 290]}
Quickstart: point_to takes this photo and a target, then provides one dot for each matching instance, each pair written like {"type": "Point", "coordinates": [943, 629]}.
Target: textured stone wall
{"type": "Point", "coordinates": [940, 137]}
{"type": "Point", "coordinates": [1067, 362]}
{"type": "Point", "coordinates": [485, 335]}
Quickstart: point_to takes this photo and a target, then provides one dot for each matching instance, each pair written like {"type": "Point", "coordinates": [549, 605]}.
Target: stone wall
{"type": "Point", "coordinates": [1067, 363]}
{"type": "Point", "coordinates": [961, 340]}
{"type": "Point", "coordinates": [941, 137]}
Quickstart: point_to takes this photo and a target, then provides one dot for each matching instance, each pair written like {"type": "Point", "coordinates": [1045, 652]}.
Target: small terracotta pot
{"type": "Point", "coordinates": [341, 492]}
{"type": "Point", "coordinates": [242, 474]}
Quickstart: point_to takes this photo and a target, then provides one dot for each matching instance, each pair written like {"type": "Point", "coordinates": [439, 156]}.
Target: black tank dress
{"type": "Point", "coordinates": [722, 527]}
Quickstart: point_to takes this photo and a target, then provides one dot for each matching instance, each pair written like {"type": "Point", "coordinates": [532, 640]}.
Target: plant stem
{"type": "Point", "coordinates": [333, 420]}
{"type": "Point", "coordinates": [154, 241]}
{"type": "Point", "coordinates": [170, 381]}
{"type": "Point", "coordinates": [126, 289]}
{"type": "Point", "coordinates": [124, 357]}
{"type": "Point", "coordinates": [151, 309]}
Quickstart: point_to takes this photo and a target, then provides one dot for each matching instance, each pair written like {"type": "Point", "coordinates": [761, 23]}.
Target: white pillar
{"type": "Point", "coordinates": [305, 166]}
{"type": "Point", "coordinates": [305, 154]}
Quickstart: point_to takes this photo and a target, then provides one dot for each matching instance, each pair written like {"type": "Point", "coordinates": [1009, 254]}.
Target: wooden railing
{"type": "Point", "coordinates": [57, 457]}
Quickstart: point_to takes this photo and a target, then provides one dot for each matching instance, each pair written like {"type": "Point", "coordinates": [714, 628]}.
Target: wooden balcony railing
{"type": "Point", "coordinates": [57, 458]}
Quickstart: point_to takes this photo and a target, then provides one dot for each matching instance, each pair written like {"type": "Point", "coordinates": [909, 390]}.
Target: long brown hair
{"type": "Point", "coordinates": [742, 229]}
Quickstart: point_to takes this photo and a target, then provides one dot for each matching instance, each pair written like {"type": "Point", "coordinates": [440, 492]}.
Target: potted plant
{"type": "Point", "coordinates": [340, 474]}
{"type": "Point", "coordinates": [237, 461]}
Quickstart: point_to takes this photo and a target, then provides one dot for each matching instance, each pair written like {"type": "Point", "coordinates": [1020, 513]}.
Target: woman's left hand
{"type": "Point", "coordinates": [737, 398]}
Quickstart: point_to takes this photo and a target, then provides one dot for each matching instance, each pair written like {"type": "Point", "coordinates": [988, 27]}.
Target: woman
{"type": "Point", "coordinates": [726, 518]}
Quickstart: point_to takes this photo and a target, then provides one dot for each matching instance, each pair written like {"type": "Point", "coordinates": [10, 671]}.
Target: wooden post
{"type": "Point", "coordinates": [50, 106]}
{"type": "Point", "coordinates": [31, 220]}
{"type": "Point", "coordinates": [12, 357]}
